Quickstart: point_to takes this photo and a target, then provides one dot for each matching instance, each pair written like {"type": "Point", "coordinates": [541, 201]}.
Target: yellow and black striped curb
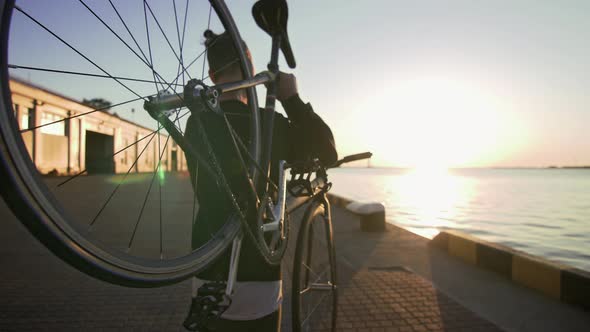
{"type": "Point", "coordinates": [558, 281]}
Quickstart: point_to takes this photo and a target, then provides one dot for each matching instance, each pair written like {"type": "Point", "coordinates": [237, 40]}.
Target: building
{"type": "Point", "coordinates": [91, 142]}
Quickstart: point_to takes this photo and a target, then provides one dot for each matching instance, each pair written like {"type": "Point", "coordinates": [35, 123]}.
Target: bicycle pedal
{"type": "Point", "coordinates": [210, 303]}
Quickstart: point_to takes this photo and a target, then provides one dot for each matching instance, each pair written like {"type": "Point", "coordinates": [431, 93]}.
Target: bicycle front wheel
{"type": "Point", "coordinates": [314, 290]}
{"type": "Point", "coordinates": [118, 203]}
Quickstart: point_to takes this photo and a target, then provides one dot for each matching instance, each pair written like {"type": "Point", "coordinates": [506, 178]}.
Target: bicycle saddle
{"type": "Point", "coordinates": [271, 16]}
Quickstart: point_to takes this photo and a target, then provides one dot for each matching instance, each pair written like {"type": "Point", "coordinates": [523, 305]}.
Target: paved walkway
{"type": "Point", "coordinates": [480, 293]}
{"type": "Point", "coordinates": [381, 300]}
{"type": "Point", "coordinates": [391, 281]}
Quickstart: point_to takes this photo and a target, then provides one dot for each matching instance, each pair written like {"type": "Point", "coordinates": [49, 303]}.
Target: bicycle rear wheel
{"type": "Point", "coordinates": [131, 226]}
{"type": "Point", "coordinates": [314, 290]}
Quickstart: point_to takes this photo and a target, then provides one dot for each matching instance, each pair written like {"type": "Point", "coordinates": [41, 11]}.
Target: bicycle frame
{"type": "Point", "coordinates": [259, 184]}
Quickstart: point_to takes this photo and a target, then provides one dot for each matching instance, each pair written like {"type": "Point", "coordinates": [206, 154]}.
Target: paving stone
{"type": "Point", "coordinates": [39, 292]}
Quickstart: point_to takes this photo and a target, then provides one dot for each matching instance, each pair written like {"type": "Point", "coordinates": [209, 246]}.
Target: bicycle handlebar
{"type": "Point", "coordinates": [351, 158]}
{"type": "Point", "coordinates": [301, 185]}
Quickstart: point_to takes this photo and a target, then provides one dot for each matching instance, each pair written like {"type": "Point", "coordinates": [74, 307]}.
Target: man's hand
{"type": "Point", "coordinates": [286, 86]}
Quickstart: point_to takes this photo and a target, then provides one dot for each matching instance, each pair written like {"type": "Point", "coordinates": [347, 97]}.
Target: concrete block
{"type": "Point", "coordinates": [495, 258]}
{"type": "Point", "coordinates": [339, 200]}
{"type": "Point", "coordinates": [575, 287]}
{"type": "Point", "coordinates": [537, 274]}
{"type": "Point", "coordinates": [441, 240]}
{"type": "Point", "coordinates": [462, 248]}
{"type": "Point", "coordinates": [372, 215]}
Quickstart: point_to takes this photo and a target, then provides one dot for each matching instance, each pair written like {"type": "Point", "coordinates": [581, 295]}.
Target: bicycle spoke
{"type": "Point", "coordinates": [208, 26]}
{"type": "Point", "coordinates": [315, 308]}
{"type": "Point", "coordinates": [147, 31]}
{"type": "Point", "coordinates": [163, 33]}
{"type": "Point", "coordinates": [310, 270]}
{"type": "Point", "coordinates": [81, 74]}
{"type": "Point", "coordinates": [156, 170]}
{"type": "Point", "coordinates": [180, 65]}
{"type": "Point", "coordinates": [182, 40]}
{"type": "Point", "coordinates": [178, 34]}
{"type": "Point", "coordinates": [184, 24]}
{"type": "Point", "coordinates": [76, 50]}
{"type": "Point", "coordinates": [128, 31]}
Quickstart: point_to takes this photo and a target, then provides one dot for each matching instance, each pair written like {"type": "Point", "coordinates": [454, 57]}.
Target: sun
{"type": "Point", "coordinates": [434, 123]}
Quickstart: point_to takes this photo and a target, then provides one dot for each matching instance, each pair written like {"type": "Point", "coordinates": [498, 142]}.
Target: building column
{"type": "Point", "coordinates": [118, 142]}
{"type": "Point", "coordinates": [68, 132]}
{"type": "Point", "coordinates": [82, 144]}
{"type": "Point", "coordinates": [137, 153]}
{"type": "Point", "coordinates": [35, 120]}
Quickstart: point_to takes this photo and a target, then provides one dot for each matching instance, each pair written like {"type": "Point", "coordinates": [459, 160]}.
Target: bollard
{"type": "Point", "coordinates": [372, 215]}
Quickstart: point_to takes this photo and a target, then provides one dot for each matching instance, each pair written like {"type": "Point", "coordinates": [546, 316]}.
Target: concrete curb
{"type": "Point", "coordinates": [559, 281]}
{"type": "Point", "coordinates": [372, 215]}
{"type": "Point", "coordinates": [339, 201]}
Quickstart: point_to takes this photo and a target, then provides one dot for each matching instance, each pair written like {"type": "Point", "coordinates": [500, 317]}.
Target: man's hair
{"type": "Point", "coordinates": [221, 53]}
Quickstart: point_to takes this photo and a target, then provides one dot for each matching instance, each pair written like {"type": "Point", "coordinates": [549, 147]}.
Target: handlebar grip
{"type": "Point", "coordinates": [354, 157]}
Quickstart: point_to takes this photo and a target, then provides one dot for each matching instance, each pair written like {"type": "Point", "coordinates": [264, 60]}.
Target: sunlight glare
{"type": "Point", "coordinates": [438, 123]}
{"type": "Point", "coordinates": [432, 197]}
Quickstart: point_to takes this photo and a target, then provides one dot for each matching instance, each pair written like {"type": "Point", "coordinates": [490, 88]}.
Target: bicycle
{"type": "Point", "coordinates": [113, 257]}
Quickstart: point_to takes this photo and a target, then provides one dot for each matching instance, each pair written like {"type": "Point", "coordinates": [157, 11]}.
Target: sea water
{"type": "Point", "coordinates": [544, 212]}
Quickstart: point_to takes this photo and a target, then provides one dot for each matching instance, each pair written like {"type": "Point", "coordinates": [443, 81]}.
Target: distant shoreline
{"type": "Point", "coordinates": [570, 167]}
{"type": "Point", "coordinates": [491, 167]}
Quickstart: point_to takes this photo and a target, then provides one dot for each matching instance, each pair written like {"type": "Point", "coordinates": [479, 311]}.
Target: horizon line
{"type": "Point", "coordinates": [479, 167]}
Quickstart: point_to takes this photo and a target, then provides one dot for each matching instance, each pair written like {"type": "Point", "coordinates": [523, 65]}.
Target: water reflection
{"type": "Point", "coordinates": [544, 212]}
{"type": "Point", "coordinates": [431, 199]}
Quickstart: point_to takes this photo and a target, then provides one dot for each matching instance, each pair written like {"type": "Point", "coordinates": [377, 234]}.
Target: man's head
{"type": "Point", "coordinates": [224, 63]}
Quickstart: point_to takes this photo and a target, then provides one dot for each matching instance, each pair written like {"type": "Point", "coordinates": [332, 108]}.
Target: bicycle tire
{"type": "Point", "coordinates": [314, 256]}
{"type": "Point", "coordinates": [30, 199]}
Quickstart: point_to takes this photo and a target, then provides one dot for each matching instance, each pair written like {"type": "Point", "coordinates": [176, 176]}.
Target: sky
{"type": "Point", "coordinates": [419, 84]}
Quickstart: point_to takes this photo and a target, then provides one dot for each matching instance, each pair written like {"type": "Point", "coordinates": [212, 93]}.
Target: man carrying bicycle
{"type": "Point", "coordinates": [256, 303]}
